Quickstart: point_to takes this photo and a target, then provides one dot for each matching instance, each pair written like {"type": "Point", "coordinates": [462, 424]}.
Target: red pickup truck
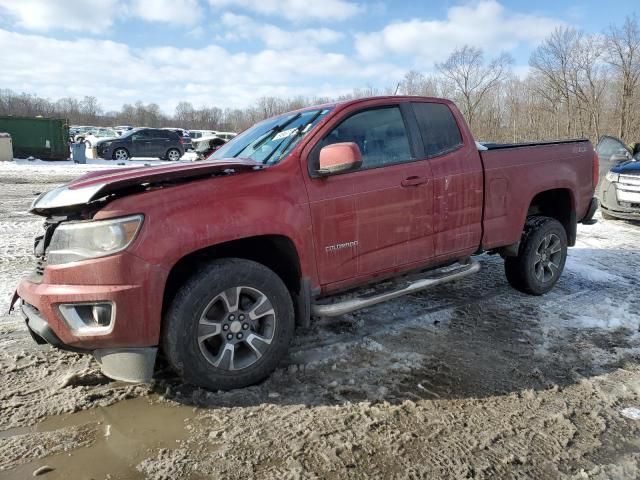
{"type": "Point", "coordinates": [215, 263]}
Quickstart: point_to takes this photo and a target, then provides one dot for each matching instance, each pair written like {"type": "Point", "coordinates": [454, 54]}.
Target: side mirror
{"type": "Point", "coordinates": [339, 157]}
{"type": "Point", "coordinates": [619, 158]}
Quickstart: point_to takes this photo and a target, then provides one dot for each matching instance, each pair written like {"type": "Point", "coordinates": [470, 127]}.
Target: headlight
{"type": "Point", "coordinates": [612, 177]}
{"type": "Point", "coordinates": [72, 242]}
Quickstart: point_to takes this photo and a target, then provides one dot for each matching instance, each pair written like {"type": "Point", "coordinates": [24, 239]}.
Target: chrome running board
{"type": "Point", "coordinates": [435, 277]}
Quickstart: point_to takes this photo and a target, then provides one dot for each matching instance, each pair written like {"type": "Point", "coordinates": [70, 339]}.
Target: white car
{"type": "Point", "coordinates": [96, 134]}
{"type": "Point", "coordinates": [212, 133]}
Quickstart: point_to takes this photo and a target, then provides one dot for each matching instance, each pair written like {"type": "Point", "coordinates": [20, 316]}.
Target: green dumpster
{"type": "Point", "coordinates": [45, 138]}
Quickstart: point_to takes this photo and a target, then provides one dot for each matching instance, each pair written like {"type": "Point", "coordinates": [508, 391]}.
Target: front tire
{"type": "Point", "coordinates": [229, 325]}
{"type": "Point", "coordinates": [541, 256]}
{"type": "Point", "coordinates": [120, 154]}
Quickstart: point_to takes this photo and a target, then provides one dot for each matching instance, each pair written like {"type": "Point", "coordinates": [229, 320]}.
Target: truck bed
{"type": "Point", "coordinates": [515, 173]}
{"type": "Point", "coordinates": [499, 146]}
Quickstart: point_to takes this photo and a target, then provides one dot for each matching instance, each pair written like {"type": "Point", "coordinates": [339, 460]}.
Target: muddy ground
{"type": "Point", "coordinates": [470, 380]}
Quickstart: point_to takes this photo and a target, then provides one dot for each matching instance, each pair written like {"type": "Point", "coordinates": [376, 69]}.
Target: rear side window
{"type": "Point", "coordinates": [380, 133]}
{"type": "Point", "coordinates": [163, 134]}
{"type": "Point", "coordinates": [438, 128]}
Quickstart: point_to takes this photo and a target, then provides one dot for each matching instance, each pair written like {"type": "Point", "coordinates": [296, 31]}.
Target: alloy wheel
{"type": "Point", "coordinates": [236, 328]}
{"type": "Point", "coordinates": [548, 258]}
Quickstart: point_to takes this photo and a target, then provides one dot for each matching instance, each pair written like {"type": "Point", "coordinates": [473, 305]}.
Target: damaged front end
{"type": "Point", "coordinates": [88, 292]}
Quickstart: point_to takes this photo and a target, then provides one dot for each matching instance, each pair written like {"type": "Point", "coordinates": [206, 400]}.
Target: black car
{"type": "Point", "coordinates": [619, 187]}
{"type": "Point", "coordinates": [142, 142]}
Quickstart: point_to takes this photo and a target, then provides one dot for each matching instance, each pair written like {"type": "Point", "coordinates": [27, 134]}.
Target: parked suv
{"type": "Point", "coordinates": [142, 142]}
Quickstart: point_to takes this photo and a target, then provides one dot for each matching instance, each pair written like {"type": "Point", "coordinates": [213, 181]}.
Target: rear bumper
{"type": "Point", "coordinates": [591, 211]}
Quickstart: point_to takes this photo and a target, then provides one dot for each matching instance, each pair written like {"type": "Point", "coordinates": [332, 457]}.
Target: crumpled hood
{"type": "Point", "coordinates": [96, 185]}
{"type": "Point", "coordinates": [627, 168]}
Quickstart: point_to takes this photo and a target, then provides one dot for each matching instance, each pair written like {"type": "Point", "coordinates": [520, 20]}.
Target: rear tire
{"type": "Point", "coordinates": [173, 155]}
{"type": "Point", "coordinates": [229, 325]}
{"type": "Point", "coordinates": [541, 256]}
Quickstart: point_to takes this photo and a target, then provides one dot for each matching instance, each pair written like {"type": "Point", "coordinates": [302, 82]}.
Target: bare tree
{"type": "Point", "coordinates": [555, 61]}
{"type": "Point", "coordinates": [623, 53]}
{"type": "Point", "coordinates": [588, 80]}
{"type": "Point", "coordinates": [472, 79]}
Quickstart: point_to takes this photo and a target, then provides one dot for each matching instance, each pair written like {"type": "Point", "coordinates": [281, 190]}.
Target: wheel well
{"type": "Point", "coordinates": [276, 252]}
{"type": "Point", "coordinates": [558, 204]}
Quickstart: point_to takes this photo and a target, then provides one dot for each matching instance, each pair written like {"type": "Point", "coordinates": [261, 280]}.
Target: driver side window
{"type": "Point", "coordinates": [143, 135]}
{"type": "Point", "coordinates": [380, 134]}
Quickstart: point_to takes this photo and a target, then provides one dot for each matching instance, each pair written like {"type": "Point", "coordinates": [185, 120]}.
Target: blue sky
{"type": "Point", "coordinates": [231, 52]}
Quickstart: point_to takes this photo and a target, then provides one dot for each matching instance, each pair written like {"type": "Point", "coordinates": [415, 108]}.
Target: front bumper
{"type": "Point", "coordinates": [623, 204]}
{"type": "Point", "coordinates": [127, 364]}
{"type": "Point", "coordinates": [126, 351]}
{"type": "Point", "coordinates": [104, 152]}
{"type": "Point", "coordinates": [131, 284]}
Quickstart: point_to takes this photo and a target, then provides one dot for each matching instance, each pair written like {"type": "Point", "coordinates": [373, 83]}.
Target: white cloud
{"type": "Point", "coordinates": [296, 10]}
{"type": "Point", "coordinates": [242, 27]}
{"type": "Point", "coordinates": [97, 16]}
{"type": "Point", "coordinates": [485, 24]}
{"type": "Point", "coordinates": [183, 12]}
{"type": "Point", "coordinates": [167, 75]}
{"type": "Point", "coordinates": [79, 15]}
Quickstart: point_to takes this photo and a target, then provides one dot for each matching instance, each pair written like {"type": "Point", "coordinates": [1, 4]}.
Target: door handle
{"type": "Point", "coordinates": [414, 181]}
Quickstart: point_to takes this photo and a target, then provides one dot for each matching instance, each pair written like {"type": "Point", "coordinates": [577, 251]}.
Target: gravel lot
{"type": "Point", "coordinates": [469, 380]}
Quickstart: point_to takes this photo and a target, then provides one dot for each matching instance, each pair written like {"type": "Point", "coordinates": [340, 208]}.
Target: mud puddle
{"type": "Point", "coordinates": [121, 435]}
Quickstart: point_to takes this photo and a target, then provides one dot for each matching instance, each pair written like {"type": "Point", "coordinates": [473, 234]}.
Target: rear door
{"type": "Point", "coordinates": [457, 180]}
{"type": "Point", "coordinates": [376, 218]}
{"type": "Point", "coordinates": [161, 142]}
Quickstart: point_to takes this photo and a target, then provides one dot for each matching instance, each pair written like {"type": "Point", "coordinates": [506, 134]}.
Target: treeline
{"type": "Point", "coordinates": [579, 85]}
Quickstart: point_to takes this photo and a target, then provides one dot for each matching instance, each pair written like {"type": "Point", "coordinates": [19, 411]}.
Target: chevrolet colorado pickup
{"type": "Point", "coordinates": [215, 263]}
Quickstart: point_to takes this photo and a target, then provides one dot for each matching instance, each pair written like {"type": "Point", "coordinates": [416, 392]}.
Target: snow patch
{"type": "Point", "coordinates": [631, 413]}
{"type": "Point", "coordinates": [608, 315]}
{"type": "Point", "coordinates": [578, 266]}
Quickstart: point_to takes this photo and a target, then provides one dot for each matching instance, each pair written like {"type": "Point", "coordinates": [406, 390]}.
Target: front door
{"type": "Point", "coordinates": [611, 153]}
{"type": "Point", "coordinates": [141, 143]}
{"type": "Point", "coordinates": [377, 218]}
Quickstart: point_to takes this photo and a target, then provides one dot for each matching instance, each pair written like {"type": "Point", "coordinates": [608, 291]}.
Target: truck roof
{"type": "Point", "coordinates": [354, 101]}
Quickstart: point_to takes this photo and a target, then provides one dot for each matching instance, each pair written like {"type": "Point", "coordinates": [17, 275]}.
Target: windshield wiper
{"type": "Point", "coordinates": [294, 136]}
{"type": "Point", "coordinates": [275, 129]}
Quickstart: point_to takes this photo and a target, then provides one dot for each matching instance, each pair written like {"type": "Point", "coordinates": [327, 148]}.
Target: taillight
{"type": "Point", "coordinates": [181, 141]}
{"type": "Point", "coordinates": [596, 168]}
